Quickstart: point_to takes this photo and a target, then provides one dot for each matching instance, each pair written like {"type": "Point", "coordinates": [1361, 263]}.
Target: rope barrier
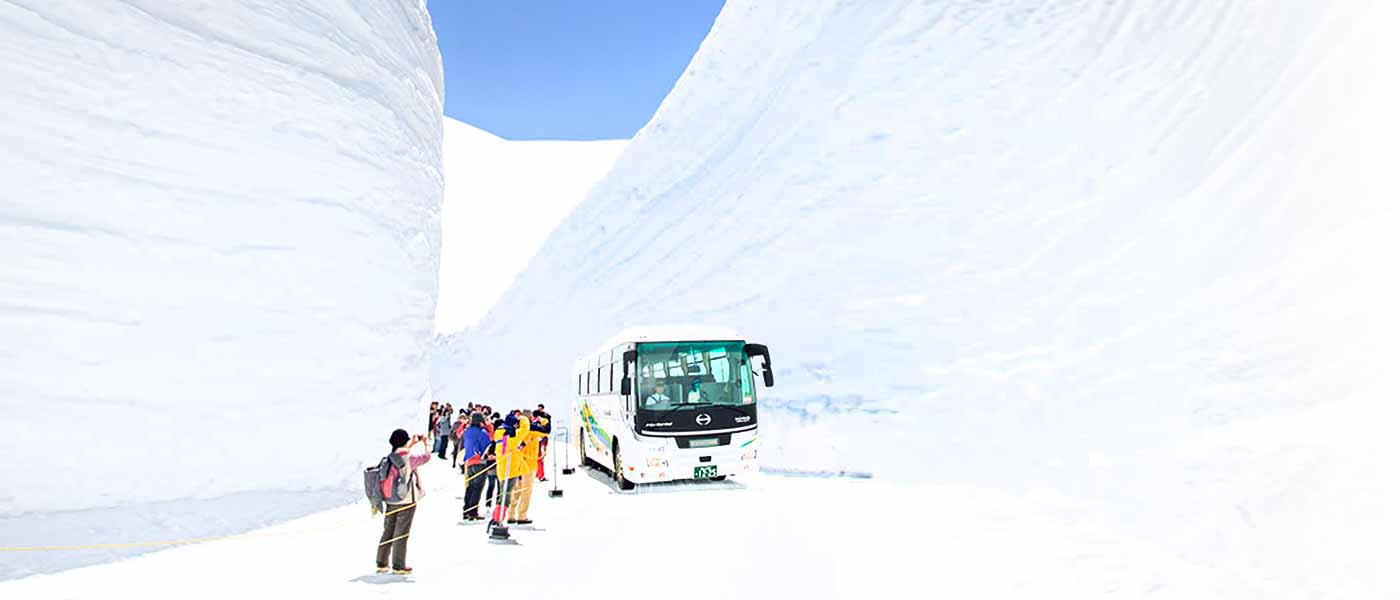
{"type": "Point", "coordinates": [185, 541]}
{"type": "Point", "coordinates": [390, 541]}
{"type": "Point", "coordinates": [401, 508]}
{"type": "Point", "coordinates": [104, 546]}
{"type": "Point", "coordinates": [200, 540]}
{"type": "Point", "coordinates": [179, 542]}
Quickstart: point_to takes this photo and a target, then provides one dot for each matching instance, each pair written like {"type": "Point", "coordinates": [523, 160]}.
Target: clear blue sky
{"type": "Point", "coordinates": [555, 69]}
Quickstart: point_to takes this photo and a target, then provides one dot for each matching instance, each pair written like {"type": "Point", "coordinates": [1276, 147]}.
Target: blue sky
{"type": "Point", "coordinates": [553, 69]}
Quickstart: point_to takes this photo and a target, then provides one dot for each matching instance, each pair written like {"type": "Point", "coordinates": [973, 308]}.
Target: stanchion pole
{"type": "Point", "coordinates": [568, 470]}
{"type": "Point", "coordinates": [499, 530]}
{"type": "Point", "coordinates": [556, 492]}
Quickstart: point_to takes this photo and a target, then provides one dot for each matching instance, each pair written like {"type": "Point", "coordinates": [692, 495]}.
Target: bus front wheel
{"type": "Point", "coordinates": [622, 482]}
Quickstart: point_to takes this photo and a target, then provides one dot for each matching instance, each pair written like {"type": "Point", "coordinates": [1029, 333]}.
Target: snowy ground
{"type": "Point", "coordinates": [765, 536]}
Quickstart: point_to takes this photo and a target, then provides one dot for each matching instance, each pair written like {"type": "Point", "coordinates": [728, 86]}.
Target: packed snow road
{"type": "Point", "coordinates": [768, 536]}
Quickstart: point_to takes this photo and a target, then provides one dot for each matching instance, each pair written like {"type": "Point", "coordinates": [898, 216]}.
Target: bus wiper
{"type": "Point", "coordinates": [708, 405]}
{"type": "Point", "coordinates": [733, 408]}
{"type": "Point", "coordinates": [688, 405]}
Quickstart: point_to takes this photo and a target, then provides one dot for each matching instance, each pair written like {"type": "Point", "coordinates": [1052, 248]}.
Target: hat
{"type": "Point", "coordinates": [398, 438]}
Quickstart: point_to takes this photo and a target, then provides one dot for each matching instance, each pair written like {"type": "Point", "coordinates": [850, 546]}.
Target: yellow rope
{"type": "Point", "coordinates": [401, 508]}
{"type": "Point", "coordinates": [492, 469]}
{"type": "Point", "coordinates": [98, 546]}
{"type": "Point", "coordinates": [182, 542]}
{"type": "Point", "coordinates": [390, 541]}
{"type": "Point", "coordinates": [161, 542]}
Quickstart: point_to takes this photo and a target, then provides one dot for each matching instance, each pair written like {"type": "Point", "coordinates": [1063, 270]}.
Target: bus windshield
{"type": "Point", "coordinates": [673, 375]}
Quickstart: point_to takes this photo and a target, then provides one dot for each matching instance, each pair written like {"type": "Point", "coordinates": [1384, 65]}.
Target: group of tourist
{"type": "Point", "coordinates": [501, 459]}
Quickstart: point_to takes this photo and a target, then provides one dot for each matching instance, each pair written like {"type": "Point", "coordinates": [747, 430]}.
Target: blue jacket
{"type": "Point", "coordinates": [475, 441]}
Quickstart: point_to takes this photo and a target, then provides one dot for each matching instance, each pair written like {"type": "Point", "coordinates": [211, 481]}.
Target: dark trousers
{"type": "Point", "coordinates": [456, 447]}
{"type": "Point", "coordinates": [396, 528]}
{"type": "Point", "coordinates": [442, 446]}
{"type": "Point", "coordinates": [490, 478]}
{"type": "Point", "coordinates": [474, 487]}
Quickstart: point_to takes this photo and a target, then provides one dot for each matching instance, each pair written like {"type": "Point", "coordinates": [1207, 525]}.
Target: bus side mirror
{"type": "Point", "coordinates": [756, 350]}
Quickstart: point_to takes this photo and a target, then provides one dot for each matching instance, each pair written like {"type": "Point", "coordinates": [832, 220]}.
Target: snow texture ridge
{"type": "Point", "coordinates": [1132, 256]}
{"type": "Point", "coordinates": [220, 236]}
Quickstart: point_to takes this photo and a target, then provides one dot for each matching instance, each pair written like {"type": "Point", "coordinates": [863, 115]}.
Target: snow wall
{"type": "Point", "coordinates": [501, 199]}
{"type": "Point", "coordinates": [219, 231]}
{"type": "Point", "coordinates": [1130, 256]}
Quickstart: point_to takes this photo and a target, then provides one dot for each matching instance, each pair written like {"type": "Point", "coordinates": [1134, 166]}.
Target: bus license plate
{"type": "Point", "coordinates": [706, 471]}
{"type": "Point", "coordinates": [704, 442]}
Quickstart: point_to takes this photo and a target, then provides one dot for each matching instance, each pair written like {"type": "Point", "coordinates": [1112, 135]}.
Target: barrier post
{"type": "Point", "coordinates": [568, 470]}
{"type": "Point", "coordinates": [554, 459]}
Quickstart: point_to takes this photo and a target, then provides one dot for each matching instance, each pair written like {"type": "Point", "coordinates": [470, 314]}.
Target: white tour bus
{"type": "Point", "coordinates": [664, 404]}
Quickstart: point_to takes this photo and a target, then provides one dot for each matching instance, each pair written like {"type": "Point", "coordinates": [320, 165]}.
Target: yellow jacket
{"type": "Point", "coordinates": [531, 452]}
{"type": "Point", "coordinates": [512, 455]}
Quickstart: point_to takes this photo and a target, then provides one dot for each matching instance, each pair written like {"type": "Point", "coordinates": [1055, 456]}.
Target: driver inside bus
{"type": "Point", "coordinates": [696, 395]}
{"type": "Point", "coordinates": [658, 398]}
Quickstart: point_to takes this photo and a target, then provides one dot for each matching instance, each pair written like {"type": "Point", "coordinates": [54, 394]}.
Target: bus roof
{"type": "Point", "coordinates": [669, 333]}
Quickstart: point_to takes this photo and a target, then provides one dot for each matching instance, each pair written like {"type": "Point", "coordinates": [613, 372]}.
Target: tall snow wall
{"type": "Point", "coordinates": [501, 199]}
{"type": "Point", "coordinates": [1129, 255]}
{"type": "Point", "coordinates": [219, 231]}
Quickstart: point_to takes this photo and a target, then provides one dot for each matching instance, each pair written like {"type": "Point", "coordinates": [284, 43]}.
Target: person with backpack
{"type": "Point", "coordinates": [475, 442]}
{"type": "Point", "coordinates": [400, 491]}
